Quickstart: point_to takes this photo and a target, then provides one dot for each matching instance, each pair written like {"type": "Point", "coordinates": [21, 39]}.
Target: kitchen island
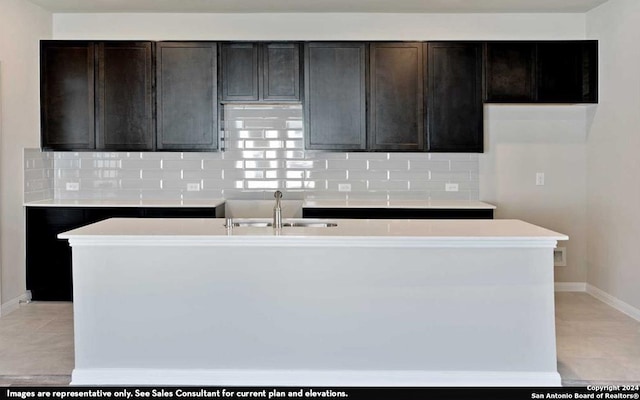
{"type": "Point", "coordinates": [363, 303]}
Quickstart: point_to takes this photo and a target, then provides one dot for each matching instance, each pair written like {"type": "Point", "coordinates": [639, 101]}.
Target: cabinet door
{"type": "Point", "coordinates": [48, 259]}
{"type": "Point", "coordinates": [187, 96]}
{"type": "Point", "coordinates": [510, 72]}
{"type": "Point", "coordinates": [335, 96]}
{"type": "Point", "coordinates": [180, 212]}
{"type": "Point", "coordinates": [396, 97]}
{"type": "Point", "coordinates": [66, 95]}
{"type": "Point", "coordinates": [454, 97]}
{"type": "Point", "coordinates": [568, 72]}
{"type": "Point", "coordinates": [125, 106]}
{"type": "Point", "coordinates": [239, 71]}
{"type": "Point", "coordinates": [280, 72]}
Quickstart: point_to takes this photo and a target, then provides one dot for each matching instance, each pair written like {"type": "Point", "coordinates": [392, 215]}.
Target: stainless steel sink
{"type": "Point", "coordinates": [286, 223]}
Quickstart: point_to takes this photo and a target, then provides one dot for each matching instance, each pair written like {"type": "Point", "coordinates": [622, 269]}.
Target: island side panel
{"type": "Point", "coordinates": [390, 309]}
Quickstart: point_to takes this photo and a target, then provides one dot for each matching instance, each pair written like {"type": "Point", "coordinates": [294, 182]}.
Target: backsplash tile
{"type": "Point", "coordinates": [38, 175]}
{"type": "Point", "coordinates": [263, 151]}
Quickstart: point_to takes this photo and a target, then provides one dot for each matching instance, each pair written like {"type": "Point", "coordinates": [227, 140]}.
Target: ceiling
{"type": "Point", "coordinates": [305, 6]}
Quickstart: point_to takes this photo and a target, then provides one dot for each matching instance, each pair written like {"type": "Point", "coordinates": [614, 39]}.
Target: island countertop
{"type": "Point", "coordinates": [347, 232]}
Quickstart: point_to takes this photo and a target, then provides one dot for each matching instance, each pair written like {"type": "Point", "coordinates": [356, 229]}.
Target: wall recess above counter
{"type": "Point", "coordinates": [166, 96]}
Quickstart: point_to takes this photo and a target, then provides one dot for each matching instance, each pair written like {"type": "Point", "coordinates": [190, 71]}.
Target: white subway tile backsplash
{"type": "Point", "coordinates": [388, 185]}
{"type": "Point", "coordinates": [348, 164]}
{"type": "Point", "coordinates": [367, 156]}
{"type": "Point", "coordinates": [38, 175]}
{"type": "Point", "coordinates": [408, 175]}
{"type": "Point", "coordinates": [134, 164]}
{"type": "Point", "coordinates": [326, 174]}
{"type": "Point", "coordinates": [182, 164]}
{"type": "Point", "coordinates": [385, 165]}
{"type": "Point", "coordinates": [263, 151]}
{"type": "Point", "coordinates": [367, 175]}
{"type": "Point", "coordinates": [472, 166]}
{"type": "Point", "coordinates": [429, 165]}
{"type": "Point", "coordinates": [451, 176]}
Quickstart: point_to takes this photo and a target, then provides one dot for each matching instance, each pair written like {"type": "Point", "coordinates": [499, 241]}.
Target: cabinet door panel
{"type": "Point", "coordinates": [48, 259]}
{"type": "Point", "coordinates": [454, 97]}
{"type": "Point", "coordinates": [567, 72]}
{"type": "Point", "coordinates": [125, 107]}
{"type": "Point", "coordinates": [239, 71]}
{"type": "Point", "coordinates": [186, 94]}
{"type": "Point", "coordinates": [335, 92]}
{"type": "Point", "coordinates": [396, 114]}
{"type": "Point", "coordinates": [281, 72]}
{"type": "Point", "coordinates": [510, 72]}
{"type": "Point", "coordinates": [67, 95]}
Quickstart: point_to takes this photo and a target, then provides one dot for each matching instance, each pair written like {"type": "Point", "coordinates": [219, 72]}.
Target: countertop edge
{"type": "Point", "coordinates": [124, 204]}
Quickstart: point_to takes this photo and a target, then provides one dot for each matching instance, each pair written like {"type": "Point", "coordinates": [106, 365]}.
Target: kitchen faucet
{"type": "Point", "coordinates": [277, 211]}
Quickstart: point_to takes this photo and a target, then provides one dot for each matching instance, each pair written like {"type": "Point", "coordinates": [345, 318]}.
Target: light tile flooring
{"type": "Point", "coordinates": [596, 344]}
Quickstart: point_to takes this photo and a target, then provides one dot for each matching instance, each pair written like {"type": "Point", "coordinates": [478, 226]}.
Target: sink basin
{"type": "Point", "coordinates": [286, 223]}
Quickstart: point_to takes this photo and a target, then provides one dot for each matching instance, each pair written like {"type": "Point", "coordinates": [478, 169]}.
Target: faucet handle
{"type": "Point", "coordinates": [277, 194]}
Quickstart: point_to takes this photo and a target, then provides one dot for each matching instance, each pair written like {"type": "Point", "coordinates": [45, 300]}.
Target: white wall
{"type": "Point", "coordinates": [22, 25]}
{"type": "Point", "coordinates": [614, 154]}
{"type": "Point", "coordinates": [319, 26]}
{"type": "Point", "coordinates": [521, 141]}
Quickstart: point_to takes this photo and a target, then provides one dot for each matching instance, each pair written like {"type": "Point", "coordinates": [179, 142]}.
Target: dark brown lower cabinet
{"type": "Point", "coordinates": [48, 258]}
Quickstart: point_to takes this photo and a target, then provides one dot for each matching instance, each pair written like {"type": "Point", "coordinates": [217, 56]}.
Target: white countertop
{"type": "Point", "coordinates": [404, 204]}
{"type": "Point", "coordinates": [158, 231]}
{"type": "Point", "coordinates": [411, 204]}
{"type": "Point", "coordinates": [126, 203]}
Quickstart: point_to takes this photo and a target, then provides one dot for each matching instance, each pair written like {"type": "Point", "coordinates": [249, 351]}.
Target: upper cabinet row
{"type": "Point", "coordinates": [376, 96]}
{"type": "Point", "coordinates": [542, 72]}
{"type": "Point", "coordinates": [341, 114]}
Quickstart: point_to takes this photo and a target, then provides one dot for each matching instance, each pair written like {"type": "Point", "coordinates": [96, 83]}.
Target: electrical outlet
{"type": "Point", "coordinates": [344, 187]}
{"type": "Point", "coordinates": [539, 178]}
{"type": "Point", "coordinates": [451, 187]}
{"type": "Point", "coordinates": [560, 257]}
{"type": "Point", "coordinates": [193, 187]}
{"type": "Point", "coordinates": [73, 186]}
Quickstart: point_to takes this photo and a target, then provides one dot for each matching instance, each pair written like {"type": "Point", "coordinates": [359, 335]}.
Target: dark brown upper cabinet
{"type": "Point", "coordinates": [239, 71]}
{"type": "Point", "coordinates": [124, 96]}
{"type": "Point", "coordinates": [567, 72]}
{"type": "Point", "coordinates": [186, 96]}
{"type": "Point", "coordinates": [281, 72]}
{"type": "Point", "coordinates": [67, 95]}
{"type": "Point", "coordinates": [510, 72]}
{"type": "Point", "coordinates": [260, 72]}
{"type": "Point", "coordinates": [542, 72]}
{"type": "Point", "coordinates": [396, 97]}
{"type": "Point", "coordinates": [335, 96]}
{"type": "Point", "coordinates": [454, 97]}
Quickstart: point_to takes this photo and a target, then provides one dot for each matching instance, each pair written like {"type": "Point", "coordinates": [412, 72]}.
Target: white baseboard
{"type": "Point", "coordinates": [13, 304]}
{"type": "Point", "coordinates": [570, 287]}
{"type": "Point", "coordinates": [618, 304]}
{"type": "Point", "coordinates": [204, 377]}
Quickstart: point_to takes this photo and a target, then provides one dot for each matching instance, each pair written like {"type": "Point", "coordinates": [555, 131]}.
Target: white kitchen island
{"type": "Point", "coordinates": [365, 303]}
